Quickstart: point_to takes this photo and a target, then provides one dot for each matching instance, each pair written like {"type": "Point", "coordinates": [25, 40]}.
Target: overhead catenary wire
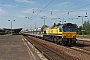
{"type": "Point", "coordinates": [43, 8]}
{"type": "Point", "coordinates": [75, 9]}
{"type": "Point", "coordinates": [80, 7]}
{"type": "Point", "coordinates": [68, 8]}
{"type": "Point", "coordinates": [39, 7]}
{"type": "Point", "coordinates": [34, 10]}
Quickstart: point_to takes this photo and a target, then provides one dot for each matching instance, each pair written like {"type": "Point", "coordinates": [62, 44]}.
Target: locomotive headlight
{"type": "Point", "coordinates": [74, 36]}
{"type": "Point", "coordinates": [64, 36]}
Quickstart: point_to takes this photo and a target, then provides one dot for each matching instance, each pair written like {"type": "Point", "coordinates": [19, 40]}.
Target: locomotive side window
{"type": "Point", "coordinates": [44, 32]}
{"type": "Point", "coordinates": [60, 30]}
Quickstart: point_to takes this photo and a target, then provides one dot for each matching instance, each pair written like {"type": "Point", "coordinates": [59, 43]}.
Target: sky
{"type": "Point", "coordinates": [29, 14]}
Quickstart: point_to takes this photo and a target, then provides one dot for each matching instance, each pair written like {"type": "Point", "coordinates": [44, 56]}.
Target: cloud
{"type": "Point", "coordinates": [31, 2]}
{"type": "Point", "coordinates": [2, 11]}
{"type": "Point", "coordinates": [3, 4]}
{"type": "Point", "coordinates": [31, 10]}
{"type": "Point", "coordinates": [22, 0]}
{"type": "Point", "coordinates": [7, 5]}
{"type": "Point", "coordinates": [28, 11]}
{"type": "Point", "coordinates": [60, 4]}
{"type": "Point", "coordinates": [22, 16]}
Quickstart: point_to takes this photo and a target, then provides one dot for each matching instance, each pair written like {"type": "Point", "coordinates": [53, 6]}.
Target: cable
{"type": "Point", "coordinates": [39, 7]}
{"type": "Point", "coordinates": [43, 8]}
{"type": "Point", "coordinates": [80, 7]}
{"type": "Point", "coordinates": [76, 9]}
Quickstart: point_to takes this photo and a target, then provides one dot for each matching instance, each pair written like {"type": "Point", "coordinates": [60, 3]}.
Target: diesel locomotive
{"type": "Point", "coordinates": [64, 34]}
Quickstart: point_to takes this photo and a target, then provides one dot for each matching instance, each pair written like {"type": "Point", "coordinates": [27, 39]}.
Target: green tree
{"type": "Point", "coordinates": [79, 30]}
{"type": "Point", "coordinates": [58, 24]}
{"type": "Point", "coordinates": [54, 24]}
{"type": "Point", "coordinates": [86, 27]}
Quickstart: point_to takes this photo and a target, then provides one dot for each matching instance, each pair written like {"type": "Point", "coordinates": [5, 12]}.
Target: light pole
{"type": "Point", "coordinates": [44, 17]}
{"type": "Point", "coordinates": [82, 25]}
{"type": "Point", "coordinates": [11, 25]}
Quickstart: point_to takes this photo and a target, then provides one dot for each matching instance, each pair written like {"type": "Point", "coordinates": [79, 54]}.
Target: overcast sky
{"type": "Point", "coordinates": [34, 10]}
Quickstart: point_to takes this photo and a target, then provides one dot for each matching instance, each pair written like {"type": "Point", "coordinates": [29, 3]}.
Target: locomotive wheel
{"type": "Point", "coordinates": [63, 43]}
{"type": "Point", "coordinates": [55, 40]}
{"type": "Point", "coordinates": [58, 40]}
{"type": "Point", "coordinates": [74, 43]}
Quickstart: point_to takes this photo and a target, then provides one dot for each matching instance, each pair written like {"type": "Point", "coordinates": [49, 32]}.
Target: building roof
{"type": "Point", "coordinates": [14, 30]}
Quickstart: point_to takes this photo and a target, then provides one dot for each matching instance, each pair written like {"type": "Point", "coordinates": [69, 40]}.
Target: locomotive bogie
{"type": "Point", "coordinates": [60, 40]}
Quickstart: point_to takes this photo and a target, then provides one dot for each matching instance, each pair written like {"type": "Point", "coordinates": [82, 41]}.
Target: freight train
{"type": "Point", "coordinates": [64, 34]}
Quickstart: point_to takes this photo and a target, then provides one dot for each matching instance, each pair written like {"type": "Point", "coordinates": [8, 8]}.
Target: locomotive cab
{"type": "Point", "coordinates": [69, 33]}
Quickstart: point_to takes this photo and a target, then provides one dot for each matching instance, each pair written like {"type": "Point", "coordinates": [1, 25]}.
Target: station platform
{"type": "Point", "coordinates": [14, 48]}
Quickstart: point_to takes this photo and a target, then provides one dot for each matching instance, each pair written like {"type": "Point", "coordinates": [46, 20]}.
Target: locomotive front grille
{"type": "Point", "coordinates": [68, 35]}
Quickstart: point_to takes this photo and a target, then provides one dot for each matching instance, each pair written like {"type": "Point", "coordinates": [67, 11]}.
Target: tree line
{"type": "Point", "coordinates": [85, 28]}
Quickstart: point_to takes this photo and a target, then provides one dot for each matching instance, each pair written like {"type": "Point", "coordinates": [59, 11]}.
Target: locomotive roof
{"type": "Point", "coordinates": [69, 24]}
{"type": "Point", "coordinates": [61, 26]}
{"type": "Point", "coordinates": [66, 24]}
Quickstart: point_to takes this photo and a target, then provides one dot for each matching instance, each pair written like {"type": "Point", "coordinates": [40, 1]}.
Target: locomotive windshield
{"type": "Point", "coordinates": [69, 29]}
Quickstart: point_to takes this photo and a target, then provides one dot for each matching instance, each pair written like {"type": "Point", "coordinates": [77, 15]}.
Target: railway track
{"type": "Point", "coordinates": [82, 46]}
{"type": "Point", "coordinates": [55, 53]}
{"type": "Point", "coordinates": [47, 51]}
{"type": "Point", "coordinates": [81, 50]}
